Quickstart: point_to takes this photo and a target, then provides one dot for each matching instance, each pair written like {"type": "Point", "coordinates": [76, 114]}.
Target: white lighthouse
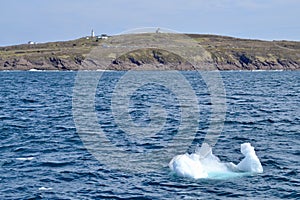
{"type": "Point", "coordinates": [92, 33]}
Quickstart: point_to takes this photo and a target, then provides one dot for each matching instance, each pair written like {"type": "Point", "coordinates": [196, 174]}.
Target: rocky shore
{"type": "Point", "coordinates": [226, 53]}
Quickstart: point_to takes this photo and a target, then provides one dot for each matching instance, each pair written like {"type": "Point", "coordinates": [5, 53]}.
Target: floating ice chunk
{"type": "Point", "coordinates": [251, 162]}
{"type": "Point", "coordinates": [24, 159]}
{"type": "Point", "coordinates": [187, 166]}
{"type": "Point", "coordinates": [204, 164]}
{"type": "Point", "coordinates": [204, 150]}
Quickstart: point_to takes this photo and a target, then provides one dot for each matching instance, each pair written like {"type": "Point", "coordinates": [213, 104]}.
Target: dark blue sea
{"type": "Point", "coordinates": [44, 153]}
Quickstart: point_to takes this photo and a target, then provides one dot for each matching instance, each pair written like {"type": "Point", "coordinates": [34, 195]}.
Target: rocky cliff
{"type": "Point", "coordinates": [226, 53]}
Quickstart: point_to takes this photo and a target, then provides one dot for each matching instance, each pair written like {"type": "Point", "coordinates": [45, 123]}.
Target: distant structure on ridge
{"type": "Point", "coordinates": [31, 42]}
{"type": "Point", "coordinates": [92, 33]}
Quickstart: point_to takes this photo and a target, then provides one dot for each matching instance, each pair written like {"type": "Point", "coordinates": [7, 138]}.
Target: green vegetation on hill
{"type": "Point", "coordinates": [227, 53]}
{"type": "Point", "coordinates": [251, 54]}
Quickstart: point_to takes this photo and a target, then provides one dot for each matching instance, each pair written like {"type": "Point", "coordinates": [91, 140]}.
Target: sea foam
{"type": "Point", "coordinates": [204, 164]}
{"type": "Point", "coordinates": [45, 188]}
{"type": "Point", "coordinates": [24, 159]}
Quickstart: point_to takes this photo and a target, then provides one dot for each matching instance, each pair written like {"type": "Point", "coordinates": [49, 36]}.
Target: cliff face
{"type": "Point", "coordinates": [44, 63]}
{"type": "Point", "coordinates": [242, 54]}
{"type": "Point", "coordinates": [226, 53]}
{"type": "Point", "coordinates": [48, 56]}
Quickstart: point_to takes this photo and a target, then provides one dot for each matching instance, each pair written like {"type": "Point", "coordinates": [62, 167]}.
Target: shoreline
{"type": "Point", "coordinates": [31, 70]}
{"type": "Point", "coordinates": [219, 53]}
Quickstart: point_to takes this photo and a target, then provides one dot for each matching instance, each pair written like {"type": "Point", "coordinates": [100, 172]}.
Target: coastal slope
{"type": "Point", "coordinates": [227, 53]}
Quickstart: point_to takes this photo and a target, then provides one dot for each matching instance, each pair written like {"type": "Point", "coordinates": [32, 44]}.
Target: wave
{"type": "Point", "coordinates": [25, 159]}
{"type": "Point", "coordinates": [45, 188]}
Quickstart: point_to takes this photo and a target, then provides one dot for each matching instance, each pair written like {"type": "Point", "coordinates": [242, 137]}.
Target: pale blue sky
{"type": "Point", "coordinates": [55, 20]}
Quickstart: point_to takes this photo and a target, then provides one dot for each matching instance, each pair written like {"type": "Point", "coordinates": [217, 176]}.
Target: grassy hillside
{"type": "Point", "coordinates": [226, 53]}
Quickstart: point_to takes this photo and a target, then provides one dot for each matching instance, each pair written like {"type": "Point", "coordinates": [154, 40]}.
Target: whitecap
{"type": "Point", "coordinates": [45, 188]}
{"type": "Point", "coordinates": [204, 164]}
{"type": "Point", "coordinates": [24, 159]}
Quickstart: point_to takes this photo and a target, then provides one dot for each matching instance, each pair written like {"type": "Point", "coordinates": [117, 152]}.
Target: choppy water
{"type": "Point", "coordinates": [43, 157]}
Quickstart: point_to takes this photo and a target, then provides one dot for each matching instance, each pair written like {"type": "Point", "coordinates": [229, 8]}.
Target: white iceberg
{"type": "Point", "coordinates": [251, 162]}
{"type": "Point", "coordinates": [204, 164]}
{"type": "Point", "coordinates": [188, 166]}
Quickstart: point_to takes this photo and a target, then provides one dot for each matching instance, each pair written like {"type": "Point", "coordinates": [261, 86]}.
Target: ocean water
{"type": "Point", "coordinates": [43, 155]}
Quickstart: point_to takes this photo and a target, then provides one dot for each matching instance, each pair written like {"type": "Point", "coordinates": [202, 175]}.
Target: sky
{"type": "Point", "coordinates": [59, 20]}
